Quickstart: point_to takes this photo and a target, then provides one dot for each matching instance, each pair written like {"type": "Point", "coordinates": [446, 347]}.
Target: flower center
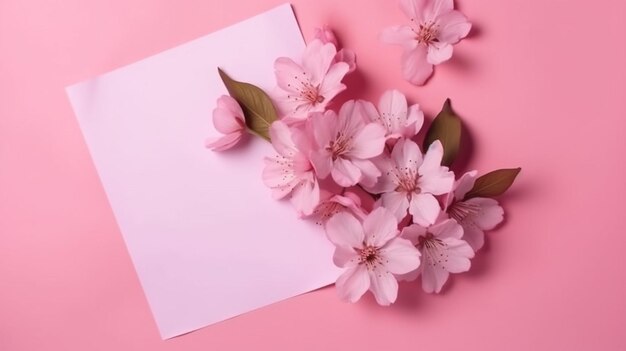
{"type": "Point", "coordinates": [429, 241]}
{"type": "Point", "coordinates": [369, 255]}
{"type": "Point", "coordinates": [307, 91]}
{"type": "Point", "coordinates": [406, 179]}
{"type": "Point", "coordinates": [427, 33]}
{"type": "Point", "coordinates": [460, 210]}
{"type": "Point", "coordinates": [340, 145]}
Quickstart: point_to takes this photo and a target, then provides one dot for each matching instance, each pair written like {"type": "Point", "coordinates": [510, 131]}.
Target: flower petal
{"type": "Point", "coordinates": [317, 59]}
{"type": "Point", "coordinates": [331, 84]}
{"type": "Point", "coordinates": [473, 235]}
{"type": "Point", "coordinates": [353, 283]}
{"type": "Point", "coordinates": [433, 276]}
{"type": "Point", "coordinates": [305, 197]}
{"type": "Point", "coordinates": [464, 185]}
{"type": "Point", "coordinates": [415, 67]}
{"type": "Point", "coordinates": [396, 202]}
{"type": "Point", "coordinates": [370, 173]}
{"type": "Point", "coordinates": [383, 285]}
{"type": "Point", "coordinates": [399, 35]}
{"type": "Point", "coordinates": [400, 256]}
{"type": "Point", "coordinates": [439, 53]}
{"type": "Point", "coordinates": [435, 8]}
{"type": "Point", "coordinates": [224, 143]}
{"type": "Point", "coordinates": [345, 257]}
{"type": "Point", "coordinates": [414, 121]}
{"type": "Point", "coordinates": [448, 228]}
{"type": "Point", "coordinates": [490, 214]}
{"type": "Point", "coordinates": [369, 142]}
{"type": "Point", "coordinates": [380, 226]}
{"type": "Point", "coordinates": [347, 56]}
{"type": "Point", "coordinates": [412, 233]}
{"type": "Point", "coordinates": [407, 155]}
{"type": "Point", "coordinates": [280, 135]}
{"type": "Point", "coordinates": [424, 208]}
{"type": "Point", "coordinates": [453, 26]}
{"type": "Point", "coordinates": [288, 74]}
{"type": "Point", "coordinates": [459, 252]}
{"type": "Point", "coordinates": [345, 231]}
{"type": "Point", "coordinates": [393, 110]}
{"type": "Point", "coordinates": [345, 173]}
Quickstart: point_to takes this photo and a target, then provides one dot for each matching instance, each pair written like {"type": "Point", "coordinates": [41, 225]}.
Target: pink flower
{"type": "Point", "coordinates": [435, 26]}
{"type": "Point", "coordinates": [309, 87]}
{"type": "Point", "coordinates": [332, 204]}
{"type": "Point", "coordinates": [344, 144]}
{"type": "Point", "coordinates": [475, 215]}
{"type": "Point", "coordinates": [290, 172]}
{"type": "Point", "coordinates": [395, 115]}
{"type": "Point", "coordinates": [228, 119]}
{"type": "Point", "coordinates": [371, 253]}
{"type": "Point", "coordinates": [409, 181]}
{"type": "Point", "coordinates": [443, 252]}
{"type": "Point", "coordinates": [326, 35]}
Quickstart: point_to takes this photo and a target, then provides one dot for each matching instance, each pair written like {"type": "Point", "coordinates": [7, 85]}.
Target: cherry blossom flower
{"type": "Point", "coordinates": [290, 172]}
{"type": "Point", "coordinates": [372, 253]}
{"type": "Point", "coordinates": [443, 252]}
{"type": "Point", "coordinates": [326, 35]}
{"type": "Point", "coordinates": [395, 115]}
{"type": "Point", "coordinates": [332, 204]}
{"type": "Point", "coordinates": [410, 181]}
{"type": "Point", "coordinates": [344, 144]}
{"type": "Point", "coordinates": [434, 27]}
{"type": "Point", "coordinates": [310, 86]}
{"type": "Point", "coordinates": [475, 215]}
{"type": "Point", "coordinates": [228, 119]}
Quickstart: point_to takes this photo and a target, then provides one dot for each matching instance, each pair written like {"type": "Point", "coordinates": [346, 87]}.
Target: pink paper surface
{"type": "Point", "coordinates": [204, 234]}
{"type": "Point", "coordinates": [539, 84]}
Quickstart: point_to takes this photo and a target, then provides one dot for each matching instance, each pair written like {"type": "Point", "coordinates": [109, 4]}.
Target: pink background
{"type": "Point", "coordinates": [540, 84]}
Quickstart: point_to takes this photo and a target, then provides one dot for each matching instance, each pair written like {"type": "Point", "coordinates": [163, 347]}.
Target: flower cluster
{"type": "Point", "coordinates": [394, 210]}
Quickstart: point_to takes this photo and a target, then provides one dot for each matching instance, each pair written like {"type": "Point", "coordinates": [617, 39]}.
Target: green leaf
{"type": "Point", "coordinates": [256, 105]}
{"type": "Point", "coordinates": [493, 183]}
{"type": "Point", "coordinates": [446, 127]}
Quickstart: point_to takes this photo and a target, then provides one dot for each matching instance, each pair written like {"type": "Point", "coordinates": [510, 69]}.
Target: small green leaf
{"type": "Point", "coordinates": [446, 127]}
{"type": "Point", "coordinates": [493, 183]}
{"type": "Point", "coordinates": [256, 105]}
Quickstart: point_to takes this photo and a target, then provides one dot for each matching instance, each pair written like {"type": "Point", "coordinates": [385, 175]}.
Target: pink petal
{"type": "Point", "coordinates": [369, 142]}
{"type": "Point", "coordinates": [224, 143]}
{"type": "Point", "coordinates": [406, 154]}
{"type": "Point", "coordinates": [325, 35]}
{"type": "Point", "coordinates": [453, 26]}
{"type": "Point", "coordinates": [435, 8]}
{"type": "Point", "coordinates": [226, 122]}
{"type": "Point", "coordinates": [288, 74]}
{"type": "Point", "coordinates": [347, 56]}
{"type": "Point", "coordinates": [277, 175]}
{"type": "Point", "coordinates": [280, 134]}
{"type": "Point", "coordinates": [433, 277]}
{"type": "Point", "coordinates": [414, 9]}
{"type": "Point", "coordinates": [345, 257]}
{"type": "Point", "coordinates": [438, 53]}
{"type": "Point", "coordinates": [228, 103]}
{"type": "Point", "coordinates": [414, 121]}
{"type": "Point", "coordinates": [415, 67]}
{"type": "Point", "coordinates": [459, 252]}
{"type": "Point", "coordinates": [448, 228]}
{"type": "Point", "coordinates": [323, 127]}
{"type": "Point", "coordinates": [400, 256]}
{"type": "Point", "coordinates": [345, 231]}
{"type": "Point", "coordinates": [370, 173]}
{"type": "Point", "coordinates": [317, 59]}
{"type": "Point", "coordinates": [490, 214]}
{"type": "Point", "coordinates": [345, 173]}
{"type": "Point", "coordinates": [353, 283]}
{"type": "Point", "coordinates": [396, 202]}
{"type": "Point", "coordinates": [432, 158]}
{"type": "Point", "coordinates": [305, 197]}
{"type": "Point", "coordinates": [383, 285]}
{"type": "Point", "coordinates": [412, 233]}
{"type": "Point", "coordinates": [322, 162]}
{"type": "Point", "coordinates": [437, 183]}
{"type": "Point", "coordinates": [331, 84]}
{"type": "Point", "coordinates": [369, 111]}
{"type": "Point", "coordinates": [393, 109]}
{"type": "Point", "coordinates": [424, 208]}
{"type": "Point", "coordinates": [386, 182]}
{"type": "Point", "coordinates": [380, 226]}
{"type": "Point", "coordinates": [399, 35]}
{"type": "Point", "coordinates": [473, 235]}
{"type": "Point", "coordinates": [464, 184]}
